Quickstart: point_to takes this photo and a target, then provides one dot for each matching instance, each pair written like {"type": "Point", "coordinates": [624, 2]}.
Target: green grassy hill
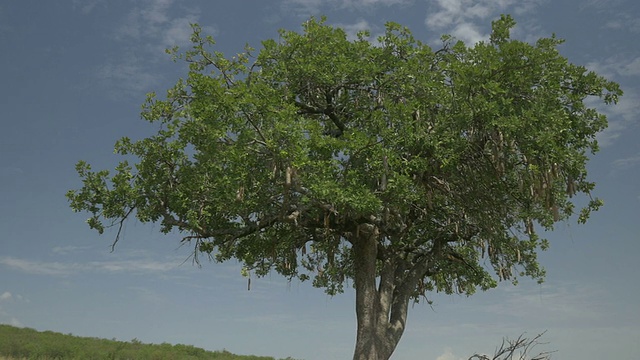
{"type": "Point", "coordinates": [24, 343]}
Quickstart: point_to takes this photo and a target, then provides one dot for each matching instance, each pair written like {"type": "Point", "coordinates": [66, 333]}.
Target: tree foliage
{"type": "Point", "coordinates": [325, 159]}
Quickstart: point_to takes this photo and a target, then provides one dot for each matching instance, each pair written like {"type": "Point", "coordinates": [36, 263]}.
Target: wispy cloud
{"type": "Point", "coordinates": [353, 29]}
{"type": "Point", "coordinates": [627, 112]}
{"type": "Point", "coordinates": [616, 66]}
{"type": "Point", "coordinates": [150, 297]}
{"type": "Point", "coordinates": [39, 268]}
{"type": "Point", "coordinates": [563, 304]}
{"type": "Point", "coordinates": [87, 6]}
{"type": "Point", "coordinates": [15, 322]}
{"type": "Point", "coordinates": [621, 116]}
{"type": "Point", "coordinates": [458, 17]}
{"type": "Point", "coordinates": [624, 22]}
{"type": "Point", "coordinates": [302, 7]}
{"type": "Point", "coordinates": [448, 355]}
{"type": "Point", "coordinates": [10, 171]}
{"type": "Point", "coordinates": [600, 5]}
{"type": "Point", "coordinates": [8, 296]}
{"type": "Point", "coordinates": [312, 7]}
{"type": "Point", "coordinates": [370, 3]}
{"type": "Point", "coordinates": [128, 76]}
{"type": "Point", "coordinates": [626, 163]}
{"type": "Point", "coordinates": [467, 20]}
{"type": "Point", "coordinates": [66, 269]}
{"type": "Point", "coordinates": [616, 15]}
{"type": "Point", "coordinates": [5, 317]}
{"type": "Point", "coordinates": [159, 24]}
{"type": "Point", "coordinates": [144, 33]}
{"type": "Point", "coordinates": [70, 249]}
{"type": "Point", "coordinates": [5, 296]}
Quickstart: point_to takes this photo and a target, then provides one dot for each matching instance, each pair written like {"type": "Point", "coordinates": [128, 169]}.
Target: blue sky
{"type": "Point", "coordinates": [73, 75]}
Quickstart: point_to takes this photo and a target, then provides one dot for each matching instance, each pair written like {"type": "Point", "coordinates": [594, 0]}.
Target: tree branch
{"type": "Point", "coordinates": [120, 225]}
{"type": "Point", "coordinates": [517, 349]}
{"type": "Point", "coordinates": [328, 111]}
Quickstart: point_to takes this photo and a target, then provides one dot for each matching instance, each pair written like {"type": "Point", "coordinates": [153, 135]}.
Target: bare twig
{"type": "Point", "coordinates": [120, 225]}
{"type": "Point", "coordinates": [518, 349]}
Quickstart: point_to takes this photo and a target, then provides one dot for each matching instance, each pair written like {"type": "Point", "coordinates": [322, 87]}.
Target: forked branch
{"type": "Point", "coordinates": [518, 349]}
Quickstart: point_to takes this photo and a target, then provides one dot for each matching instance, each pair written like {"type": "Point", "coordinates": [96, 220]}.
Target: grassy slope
{"type": "Point", "coordinates": [24, 343]}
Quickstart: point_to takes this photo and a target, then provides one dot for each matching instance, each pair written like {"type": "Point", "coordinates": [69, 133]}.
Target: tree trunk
{"type": "Point", "coordinates": [381, 311]}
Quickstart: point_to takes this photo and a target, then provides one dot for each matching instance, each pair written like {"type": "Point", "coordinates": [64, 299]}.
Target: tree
{"type": "Point", "coordinates": [518, 349]}
{"type": "Point", "coordinates": [401, 168]}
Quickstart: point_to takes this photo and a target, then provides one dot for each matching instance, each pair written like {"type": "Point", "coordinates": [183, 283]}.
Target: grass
{"type": "Point", "coordinates": [29, 344]}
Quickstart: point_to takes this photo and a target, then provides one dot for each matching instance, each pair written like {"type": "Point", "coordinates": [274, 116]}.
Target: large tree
{"type": "Point", "coordinates": [384, 164]}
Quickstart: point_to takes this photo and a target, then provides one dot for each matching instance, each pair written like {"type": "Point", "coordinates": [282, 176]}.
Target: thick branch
{"type": "Point", "coordinates": [328, 111]}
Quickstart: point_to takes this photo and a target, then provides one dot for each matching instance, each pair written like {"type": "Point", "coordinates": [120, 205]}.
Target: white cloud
{"type": "Point", "coordinates": [609, 136]}
{"type": "Point", "coordinates": [5, 296]}
{"type": "Point", "coordinates": [627, 111]}
{"type": "Point", "coordinates": [158, 24]}
{"type": "Point", "coordinates": [601, 5]}
{"type": "Point", "coordinates": [65, 269]}
{"type": "Point", "coordinates": [616, 66]}
{"type": "Point", "coordinates": [87, 6]}
{"type": "Point", "coordinates": [38, 268]}
{"type": "Point", "coordinates": [312, 7]}
{"type": "Point", "coordinates": [156, 11]}
{"type": "Point", "coordinates": [66, 250]}
{"type": "Point", "coordinates": [464, 19]}
{"type": "Point", "coordinates": [448, 355]}
{"type": "Point", "coordinates": [562, 303]}
{"type": "Point", "coordinates": [449, 14]}
{"type": "Point", "coordinates": [4, 315]}
{"type": "Point", "coordinates": [353, 29]}
{"type": "Point", "coordinates": [624, 22]}
{"type": "Point", "coordinates": [458, 17]}
{"type": "Point", "coordinates": [621, 116]}
{"type": "Point", "coordinates": [366, 3]}
{"type": "Point", "coordinates": [522, 8]}
{"type": "Point", "coordinates": [144, 33]}
{"type": "Point", "coordinates": [6, 318]}
{"type": "Point", "coordinates": [626, 163]}
{"type": "Point", "coordinates": [460, 11]}
{"type": "Point", "coordinates": [302, 7]}
{"type": "Point", "coordinates": [178, 31]}
{"type": "Point", "coordinates": [132, 265]}
{"type": "Point", "coordinates": [129, 75]}
{"type": "Point", "coordinates": [631, 68]}
{"type": "Point", "coordinates": [469, 33]}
